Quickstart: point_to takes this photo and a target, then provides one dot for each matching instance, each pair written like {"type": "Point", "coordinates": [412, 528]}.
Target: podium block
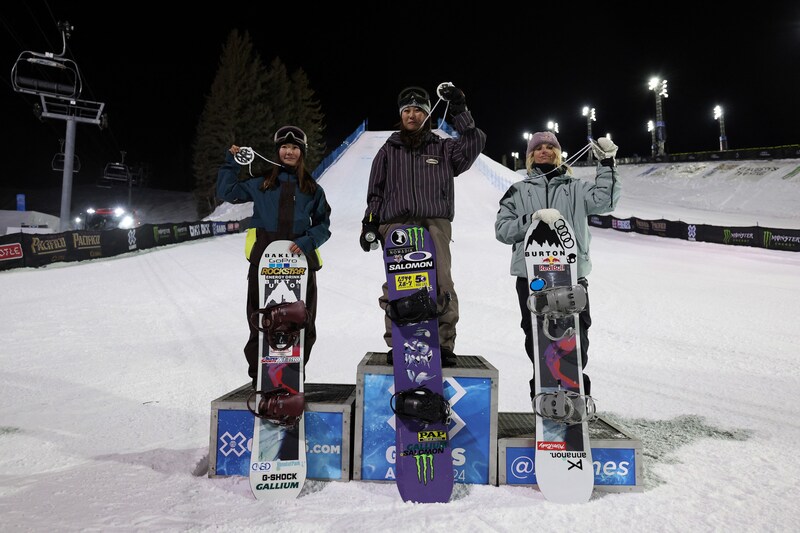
{"type": "Point", "coordinates": [616, 455]}
{"type": "Point", "coordinates": [329, 432]}
{"type": "Point", "coordinates": [471, 389]}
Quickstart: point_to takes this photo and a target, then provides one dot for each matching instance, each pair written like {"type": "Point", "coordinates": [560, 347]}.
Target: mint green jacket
{"type": "Point", "coordinates": [575, 199]}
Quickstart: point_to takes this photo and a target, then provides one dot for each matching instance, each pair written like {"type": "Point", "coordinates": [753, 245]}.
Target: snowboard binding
{"type": "Point", "coordinates": [564, 406]}
{"type": "Point", "coordinates": [557, 303]}
{"type": "Point", "coordinates": [279, 406]}
{"type": "Point", "coordinates": [281, 323]}
{"type": "Point", "coordinates": [415, 308]}
{"type": "Point", "coordinates": [421, 404]}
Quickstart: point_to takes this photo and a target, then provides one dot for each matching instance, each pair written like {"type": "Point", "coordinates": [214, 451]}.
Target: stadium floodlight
{"type": "Point", "coordinates": [723, 140]}
{"type": "Point", "coordinates": [659, 87]}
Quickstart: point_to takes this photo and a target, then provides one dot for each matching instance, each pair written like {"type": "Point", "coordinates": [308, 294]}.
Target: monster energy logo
{"type": "Point", "coordinates": [767, 238]}
{"type": "Point", "coordinates": [740, 236]}
{"type": "Point", "coordinates": [416, 237]}
{"type": "Point", "coordinates": [424, 465]}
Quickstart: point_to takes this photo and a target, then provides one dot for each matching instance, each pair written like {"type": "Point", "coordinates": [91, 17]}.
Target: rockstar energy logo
{"type": "Point", "coordinates": [285, 271]}
{"type": "Point", "coordinates": [424, 467]}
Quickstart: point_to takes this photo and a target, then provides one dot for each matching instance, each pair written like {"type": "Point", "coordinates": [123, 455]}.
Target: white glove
{"type": "Point", "coordinates": [548, 216]}
{"type": "Point", "coordinates": [603, 148]}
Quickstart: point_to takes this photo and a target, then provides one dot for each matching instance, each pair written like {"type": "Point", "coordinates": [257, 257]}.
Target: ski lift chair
{"type": "Point", "coordinates": [47, 73]}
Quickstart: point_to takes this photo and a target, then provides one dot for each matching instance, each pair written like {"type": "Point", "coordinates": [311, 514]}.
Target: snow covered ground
{"type": "Point", "coordinates": [108, 368]}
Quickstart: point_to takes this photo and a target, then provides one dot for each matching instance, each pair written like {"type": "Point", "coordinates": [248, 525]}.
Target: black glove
{"type": "Point", "coordinates": [370, 236]}
{"type": "Point", "coordinates": [450, 93]}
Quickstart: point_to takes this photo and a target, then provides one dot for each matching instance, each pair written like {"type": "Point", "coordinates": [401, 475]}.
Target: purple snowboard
{"type": "Point", "coordinates": [423, 455]}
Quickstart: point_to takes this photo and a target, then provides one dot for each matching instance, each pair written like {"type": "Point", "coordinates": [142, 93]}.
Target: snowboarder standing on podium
{"type": "Point", "coordinates": [287, 204]}
{"type": "Point", "coordinates": [549, 192]}
{"type": "Point", "coordinates": [411, 182]}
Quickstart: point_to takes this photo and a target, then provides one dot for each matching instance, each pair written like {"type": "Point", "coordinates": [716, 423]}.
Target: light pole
{"type": "Point", "coordinates": [588, 112]}
{"type": "Point", "coordinates": [723, 140]}
{"type": "Point", "coordinates": [515, 155]}
{"type": "Point", "coordinates": [527, 136]}
{"type": "Point", "coordinates": [651, 127]}
{"type": "Point", "coordinates": [659, 87]}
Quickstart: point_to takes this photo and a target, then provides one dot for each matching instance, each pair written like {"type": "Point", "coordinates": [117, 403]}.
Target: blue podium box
{"type": "Point", "coordinates": [616, 455]}
{"type": "Point", "coordinates": [329, 432]}
{"type": "Point", "coordinates": [471, 389]}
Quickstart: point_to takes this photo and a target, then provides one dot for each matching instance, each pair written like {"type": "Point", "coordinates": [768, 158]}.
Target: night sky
{"type": "Point", "coordinates": [152, 65]}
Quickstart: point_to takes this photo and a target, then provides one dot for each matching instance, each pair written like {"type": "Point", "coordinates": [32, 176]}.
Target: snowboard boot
{"type": "Point", "coordinates": [421, 404]}
{"type": "Point", "coordinates": [449, 359]}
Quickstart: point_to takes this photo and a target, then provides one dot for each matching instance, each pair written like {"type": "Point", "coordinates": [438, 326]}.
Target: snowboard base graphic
{"type": "Point", "coordinates": [278, 451]}
{"type": "Point", "coordinates": [563, 460]}
{"type": "Point", "coordinates": [423, 455]}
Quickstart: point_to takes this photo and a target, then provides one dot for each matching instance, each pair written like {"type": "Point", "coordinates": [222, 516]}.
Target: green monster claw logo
{"type": "Point", "coordinates": [424, 463]}
{"type": "Point", "coordinates": [416, 237]}
{"type": "Point", "coordinates": [726, 236]}
{"type": "Point", "coordinates": [767, 238]}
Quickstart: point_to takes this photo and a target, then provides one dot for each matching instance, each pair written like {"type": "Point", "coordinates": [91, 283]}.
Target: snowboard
{"type": "Point", "coordinates": [278, 451]}
{"type": "Point", "coordinates": [563, 456]}
{"type": "Point", "coordinates": [423, 454]}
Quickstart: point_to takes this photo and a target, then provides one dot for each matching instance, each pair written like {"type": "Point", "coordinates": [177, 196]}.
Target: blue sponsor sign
{"type": "Point", "coordinates": [234, 440]}
{"type": "Point", "coordinates": [324, 445]}
{"type": "Point", "coordinates": [612, 466]}
{"type": "Point", "coordinates": [469, 430]}
{"type": "Point", "coordinates": [519, 466]}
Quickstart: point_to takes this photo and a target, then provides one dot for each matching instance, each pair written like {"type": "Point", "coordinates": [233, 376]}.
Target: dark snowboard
{"type": "Point", "coordinates": [423, 455]}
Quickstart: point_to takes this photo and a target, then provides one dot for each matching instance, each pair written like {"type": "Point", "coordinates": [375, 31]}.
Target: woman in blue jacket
{"type": "Point", "coordinates": [548, 192]}
{"type": "Point", "coordinates": [288, 204]}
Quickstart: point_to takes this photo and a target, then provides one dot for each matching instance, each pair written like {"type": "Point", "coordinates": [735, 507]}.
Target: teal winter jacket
{"type": "Point", "coordinates": [311, 218]}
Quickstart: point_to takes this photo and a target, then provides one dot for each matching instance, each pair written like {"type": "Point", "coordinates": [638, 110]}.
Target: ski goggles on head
{"type": "Point", "coordinates": [414, 96]}
{"type": "Point", "coordinates": [290, 135]}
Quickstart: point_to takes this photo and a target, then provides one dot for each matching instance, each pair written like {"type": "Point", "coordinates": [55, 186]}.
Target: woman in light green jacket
{"type": "Point", "coordinates": [546, 193]}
